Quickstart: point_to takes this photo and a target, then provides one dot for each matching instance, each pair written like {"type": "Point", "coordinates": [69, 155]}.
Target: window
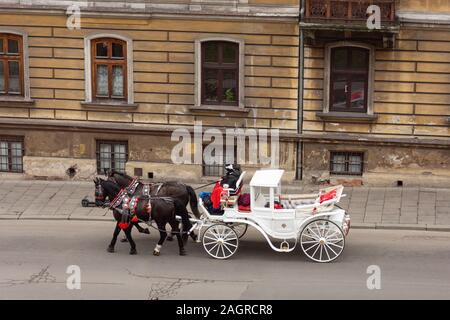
{"type": "Point", "coordinates": [109, 69]}
{"type": "Point", "coordinates": [349, 79]}
{"type": "Point", "coordinates": [220, 73]}
{"type": "Point", "coordinates": [347, 163]}
{"type": "Point", "coordinates": [11, 154]}
{"type": "Point", "coordinates": [218, 169]}
{"type": "Point", "coordinates": [11, 65]}
{"type": "Point", "coordinates": [111, 155]}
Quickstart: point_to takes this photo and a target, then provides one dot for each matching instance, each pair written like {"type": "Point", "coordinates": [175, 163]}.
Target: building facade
{"type": "Point", "coordinates": [376, 103]}
{"type": "Point", "coordinates": [352, 104]}
{"type": "Point", "coordinates": [109, 94]}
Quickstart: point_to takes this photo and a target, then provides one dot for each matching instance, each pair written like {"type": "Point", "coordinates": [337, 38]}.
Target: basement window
{"type": "Point", "coordinates": [11, 154]}
{"type": "Point", "coordinates": [111, 155]}
{"type": "Point", "coordinates": [347, 163]}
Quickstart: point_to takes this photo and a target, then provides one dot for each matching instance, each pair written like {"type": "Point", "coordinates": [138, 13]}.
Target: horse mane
{"type": "Point", "coordinates": [110, 187]}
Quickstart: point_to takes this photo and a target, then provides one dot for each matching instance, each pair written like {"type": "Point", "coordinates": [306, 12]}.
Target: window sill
{"type": "Point", "coordinates": [219, 109]}
{"type": "Point", "coordinates": [12, 102]}
{"type": "Point", "coordinates": [346, 116]}
{"type": "Point", "coordinates": [109, 105]}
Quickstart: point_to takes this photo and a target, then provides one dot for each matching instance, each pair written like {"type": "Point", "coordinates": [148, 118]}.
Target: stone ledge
{"type": "Point", "coordinates": [346, 116]}
{"type": "Point", "coordinates": [219, 109]}
{"type": "Point", "coordinates": [109, 105]}
{"type": "Point", "coordinates": [8, 102]}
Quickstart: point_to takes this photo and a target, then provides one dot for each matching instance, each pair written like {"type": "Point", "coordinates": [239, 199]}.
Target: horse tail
{"type": "Point", "coordinates": [193, 202]}
{"type": "Point", "coordinates": [180, 210]}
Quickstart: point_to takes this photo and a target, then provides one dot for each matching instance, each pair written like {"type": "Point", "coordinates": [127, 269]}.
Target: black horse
{"type": "Point", "coordinates": [163, 210]}
{"type": "Point", "coordinates": [100, 199]}
{"type": "Point", "coordinates": [186, 194]}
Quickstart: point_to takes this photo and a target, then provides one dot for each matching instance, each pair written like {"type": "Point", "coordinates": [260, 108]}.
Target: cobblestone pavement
{"type": "Point", "coordinates": [408, 208]}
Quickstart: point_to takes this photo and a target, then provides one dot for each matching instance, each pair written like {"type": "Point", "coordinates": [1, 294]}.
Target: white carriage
{"type": "Point", "coordinates": [313, 220]}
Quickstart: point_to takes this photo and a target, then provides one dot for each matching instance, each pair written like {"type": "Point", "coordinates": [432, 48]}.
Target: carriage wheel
{"type": "Point", "coordinates": [240, 228]}
{"type": "Point", "coordinates": [322, 241]}
{"type": "Point", "coordinates": [220, 241]}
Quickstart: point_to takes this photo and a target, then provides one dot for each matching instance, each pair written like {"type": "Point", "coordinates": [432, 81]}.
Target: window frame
{"type": "Point", "coordinates": [327, 97]}
{"type": "Point", "coordinates": [220, 67]}
{"type": "Point", "coordinates": [347, 155]}
{"type": "Point", "coordinates": [9, 140]}
{"type": "Point", "coordinates": [112, 143]}
{"type": "Point", "coordinates": [5, 58]}
{"type": "Point", "coordinates": [89, 51]}
{"type": "Point", "coordinates": [240, 74]}
{"type": "Point", "coordinates": [351, 76]}
{"type": "Point", "coordinates": [24, 72]}
{"type": "Point", "coordinates": [218, 167]}
{"type": "Point", "coordinates": [110, 62]}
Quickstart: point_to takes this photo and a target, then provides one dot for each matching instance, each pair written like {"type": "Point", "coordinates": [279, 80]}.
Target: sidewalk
{"type": "Point", "coordinates": [393, 208]}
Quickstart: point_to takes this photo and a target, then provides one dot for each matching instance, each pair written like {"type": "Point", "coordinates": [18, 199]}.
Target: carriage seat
{"type": "Point", "coordinates": [237, 189]}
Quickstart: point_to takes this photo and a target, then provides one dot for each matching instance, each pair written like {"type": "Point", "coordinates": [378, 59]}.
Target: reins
{"type": "Point", "coordinates": [209, 184]}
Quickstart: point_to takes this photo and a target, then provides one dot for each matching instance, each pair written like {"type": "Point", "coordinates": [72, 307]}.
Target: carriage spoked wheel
{"type": "Point", "coordinates": [239, 228]}
{"type": "Point", "coordinates": [322, 240]}
{"type": "Point", "coordinates": [220, 241]}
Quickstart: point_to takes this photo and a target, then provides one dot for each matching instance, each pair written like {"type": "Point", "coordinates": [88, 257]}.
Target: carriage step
{"type": "Point", "coordinates": [284, 246]}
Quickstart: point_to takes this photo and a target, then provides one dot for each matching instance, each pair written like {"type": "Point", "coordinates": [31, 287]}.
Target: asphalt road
{"type": "Point", "coordinates": [34, 256]}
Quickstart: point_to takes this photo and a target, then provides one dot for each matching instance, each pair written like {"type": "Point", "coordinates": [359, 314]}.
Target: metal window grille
{"type": "Point", "coordinates": [217, 169]}
{"type": "Point", "coordinates": [347, 163]}
{"type": "Point", "coordinates": [111, 155]}
{"type": "Point", "coordinates": [11, 154]}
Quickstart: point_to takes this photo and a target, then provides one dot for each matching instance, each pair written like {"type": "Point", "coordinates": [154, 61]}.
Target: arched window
{"type": "Point", "coordinates": [109, 69]}
{"type": "Point", "coordinates": [349, 79]}
{"type": "Point", "coordinates": [220, 73]}
{"type": "Point", "coordinates": [11, 65]}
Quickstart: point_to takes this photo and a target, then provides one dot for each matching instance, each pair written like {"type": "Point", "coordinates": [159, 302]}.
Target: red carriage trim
{"type": "Point", "coordinates": [328, 195]}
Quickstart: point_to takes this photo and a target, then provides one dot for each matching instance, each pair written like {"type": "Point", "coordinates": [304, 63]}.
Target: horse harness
{"type": "Point", "coordinates": [126, 203]}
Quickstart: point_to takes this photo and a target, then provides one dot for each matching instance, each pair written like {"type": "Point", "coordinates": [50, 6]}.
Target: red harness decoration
{"type": "Point", "coordinates": [123, 225]}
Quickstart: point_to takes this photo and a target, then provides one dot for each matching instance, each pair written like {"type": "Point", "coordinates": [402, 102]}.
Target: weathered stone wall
{"type": "Point", "coordinates": [383, 165]}
{"type": "Point", "coordinates": [49, 154]}
{"type": "Point", "coordinates": [411, 88]}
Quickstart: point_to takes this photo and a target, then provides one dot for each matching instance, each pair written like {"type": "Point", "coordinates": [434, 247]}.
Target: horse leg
{"type": "Point", "coordinates": [130, 240]}
{"type": "Point", "coordinates": [176, 229]}
{"type": "Point", "coordinates": [140, 229]}
{"type": "Point", "coordinates": [163, 235]}
{"type": "Point", "coordinates": [169, 236]}
{"type": "Point", "coordinates": [114, 238]}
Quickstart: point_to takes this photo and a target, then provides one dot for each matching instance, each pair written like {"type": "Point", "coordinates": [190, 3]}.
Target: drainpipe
{"type": "Point", "coordinates": [301, 72]}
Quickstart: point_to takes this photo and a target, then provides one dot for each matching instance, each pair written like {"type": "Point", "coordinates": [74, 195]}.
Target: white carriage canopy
{"type": "Point", "coordinates": [269, 178]}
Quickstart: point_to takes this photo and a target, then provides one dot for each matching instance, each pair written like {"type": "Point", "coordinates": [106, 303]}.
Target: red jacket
{"type": "Point", "coordinates": [215, 195]}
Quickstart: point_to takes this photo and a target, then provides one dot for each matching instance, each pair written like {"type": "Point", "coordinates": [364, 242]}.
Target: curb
{"type": "Point", "coordinates": [376, 226]}
{"type": "Point", "coordinates": [396, 226]}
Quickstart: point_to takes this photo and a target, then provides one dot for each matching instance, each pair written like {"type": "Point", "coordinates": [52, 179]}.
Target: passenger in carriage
{"type": "Point", "coordinates": [229, 180]}
{"type": "Point", "coordinates": [233, 172]}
